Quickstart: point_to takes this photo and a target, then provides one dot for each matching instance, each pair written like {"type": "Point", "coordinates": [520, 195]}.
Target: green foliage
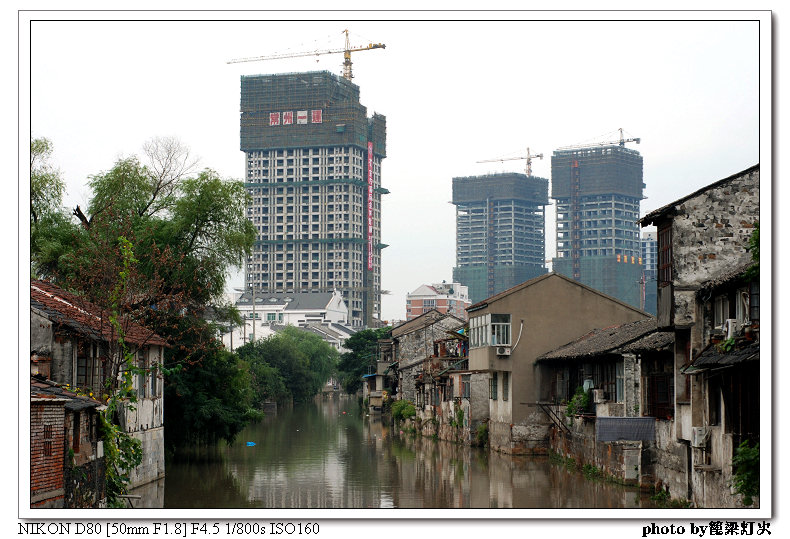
{"type": "Point", "coordinates": [362, 353]}
{"type": "Point", "coordinates": [481, 436]}
{"type": "Point", "coordinates": [402, 410]}
{"type": "Point", "coordinates": [122, 453]}
{"type": "Point", "coordinates": [46, 185]}
{"type": "Point", "coordinates": [458, 420]}
{"type": "Point", "coordinates": [664, 500]}
{"type": "Point", "coordinates": [290, 364]}
{"type": "Point", "coordinates": [208, 399]}
{"type": "Point", "coordinates": [746, 471]}
{"type": "Point", "coordinates": [579, 403]}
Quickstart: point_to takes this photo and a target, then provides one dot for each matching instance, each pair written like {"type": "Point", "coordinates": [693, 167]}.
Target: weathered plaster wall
{"type": "Point", "coordinates": [710, 236]}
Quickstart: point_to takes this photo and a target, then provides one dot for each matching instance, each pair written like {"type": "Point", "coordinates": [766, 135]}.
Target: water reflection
{"type": "Point", "coordinates": [327, 455]}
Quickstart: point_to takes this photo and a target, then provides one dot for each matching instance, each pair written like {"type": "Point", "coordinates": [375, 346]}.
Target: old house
{"type": "Point", "coordinates": [705, 295]}
{"type": "Point", "coordinates": [413, 346]}
{"type": "Point", "coordinates": [66, 454]}
{"type": "Point", "coordinates": [616, 430]}
{"type": "Point", "coordinates": [73, 341]}
{"type": "Point", "coordinates": [509, 331]}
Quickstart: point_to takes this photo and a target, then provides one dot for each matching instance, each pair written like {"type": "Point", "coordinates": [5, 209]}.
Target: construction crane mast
{"type": "Point", "coordinates": [346, 55]}
{"type": "Point", "coordinates": [528, 157]}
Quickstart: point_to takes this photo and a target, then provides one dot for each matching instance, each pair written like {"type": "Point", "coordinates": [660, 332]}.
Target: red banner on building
{"type": "Point", "coordinates": [370, 205]}
{"type": "Point", "coordinates": [316, 116]}
{"type": "Point", "coordinates": [301, 116]}
{"type": "Point", "coordinates": [274, 118]}
{"type": "Point", "coordinates": [288, 117]}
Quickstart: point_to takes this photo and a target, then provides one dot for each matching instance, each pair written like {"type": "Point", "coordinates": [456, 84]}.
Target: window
{"type": "Point", "coordinates": [721, 311]}
{"type": "Point", "coordinates": [48, 430]}
{"type": "Point", "coordinates": [754, 301]}
{"type": "Point", "coordinates": [492, 389]}
{"type": "Point", "coordinates": [500, 329]}
{"type": "Point", "coordinates": [142, 364]}
{"type": "Point", "coordinates": [665, 255]}
{"type": "Point", "coordinates": [466, 386]}
{"type": "Point", "coordinates": [271, 317]}
{"type": "Point", "coordinates": [619, 382]}
{"type": "Point", "coordinates": [505, 384]}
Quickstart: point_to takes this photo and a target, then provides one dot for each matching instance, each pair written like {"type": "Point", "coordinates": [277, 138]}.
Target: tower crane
{"type": "Point", "coordinates": [346, 55]}
{"type": "Point", "coordinates": [528, 157]}
{"type": "Point", "coordinates": [620, 142]}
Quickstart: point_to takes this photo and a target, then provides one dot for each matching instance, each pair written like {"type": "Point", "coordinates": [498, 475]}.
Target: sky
{"type": "Point", "coordinates": [454, 92]}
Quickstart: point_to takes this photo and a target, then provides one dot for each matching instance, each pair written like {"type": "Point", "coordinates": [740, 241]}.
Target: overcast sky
{"type": "Point", "coordinates": [454, 93]}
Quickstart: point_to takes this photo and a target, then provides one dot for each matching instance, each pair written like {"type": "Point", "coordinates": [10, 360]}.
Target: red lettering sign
{"type": "Point", "coordinates": [274, 118]}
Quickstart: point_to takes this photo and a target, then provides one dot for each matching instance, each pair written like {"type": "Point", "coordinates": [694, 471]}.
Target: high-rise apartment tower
{"type": "Point", "coordinates": [598, 189]}
{"type": "Point", "coordinates": [313, 170]}
{"type": "Point", "coordinates": [500, 231]}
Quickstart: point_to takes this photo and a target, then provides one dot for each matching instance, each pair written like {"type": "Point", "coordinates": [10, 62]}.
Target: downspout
{"type": "Point", "coordinates": [520, 329]}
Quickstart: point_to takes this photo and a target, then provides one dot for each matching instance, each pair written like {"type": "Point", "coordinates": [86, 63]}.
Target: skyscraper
{"type": "Point", "coordinates": [313, 170]}
{"type": "Point", "coordinates": [650, 264]}
{"type": "Point", "coordinates": [598, 189]}
{"type": "Point", "coordinates": [500, 229]}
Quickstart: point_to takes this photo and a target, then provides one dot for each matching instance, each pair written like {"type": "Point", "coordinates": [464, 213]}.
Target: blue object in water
{"type": "Point", "coordinates": [250, 444]}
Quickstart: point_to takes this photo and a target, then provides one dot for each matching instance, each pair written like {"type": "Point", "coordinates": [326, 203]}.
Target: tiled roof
{"type": "Point", "coordinates": [293, 301]}
{"type": "Point", "coordinates": [84, 317]}
{"type": "Point", "coordinates": [47, 389]}
{"type": "Point", "coordinates": [712, 357]}
{"type": "Point", "coordinates": [604, 340]}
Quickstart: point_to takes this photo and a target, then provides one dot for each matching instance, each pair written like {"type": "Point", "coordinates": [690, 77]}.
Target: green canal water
{"type": "Point", "coordinates": [326, 454]}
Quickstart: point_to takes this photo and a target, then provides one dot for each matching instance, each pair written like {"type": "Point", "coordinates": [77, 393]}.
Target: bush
{"type": "Point", "coordinates": [746, 471]}
{"type": "Point", "coordinates": [481, 437]}
{"type": "Point", "coordinates": [402, 410]}
{"type": "Point", "coordinates": [578, 403]}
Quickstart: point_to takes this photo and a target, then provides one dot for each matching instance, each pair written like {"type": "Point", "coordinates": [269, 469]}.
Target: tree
{"type": "Point", "coordinates": [183, 234]}
{"type": "Point", "coordinates": [46, 185]}
{"type": "Point", "coordinates": [302, 360]}
{"type": "Point", "coordinates": [362, 353]}
{"type": "Point", "coordinates": [211, 399]}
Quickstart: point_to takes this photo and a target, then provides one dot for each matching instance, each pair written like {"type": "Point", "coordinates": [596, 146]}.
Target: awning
{"type": "Point", "coordinates": [713, 358]}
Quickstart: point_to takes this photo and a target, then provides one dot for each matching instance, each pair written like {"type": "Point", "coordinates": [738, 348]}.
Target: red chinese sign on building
{"type": "Point", "coordinates": [287, 117]}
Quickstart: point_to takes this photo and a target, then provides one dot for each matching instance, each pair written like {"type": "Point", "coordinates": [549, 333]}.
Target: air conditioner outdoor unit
{"type": "Point", "coordinates": [503, 350]}
{"type": "Point", "coordinates": [597, 395]}
{"type": "Point", "coordinates": [699, 436]}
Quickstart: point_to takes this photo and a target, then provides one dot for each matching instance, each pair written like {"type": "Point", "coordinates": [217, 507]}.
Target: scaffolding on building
{"type": "Point", "coordinates": [343, 120]}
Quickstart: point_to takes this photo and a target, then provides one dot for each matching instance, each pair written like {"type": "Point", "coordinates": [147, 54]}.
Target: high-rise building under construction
{"type": "Point", "coordinates": [598, 189]}
{"type": "Point", "coordinates": [313, 171]}
{"type": "Point", "coordinates": [500, 231]}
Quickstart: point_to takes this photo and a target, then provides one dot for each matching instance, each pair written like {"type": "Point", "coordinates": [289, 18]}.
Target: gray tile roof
{"type": "Point", "coordinates": [602, 341]}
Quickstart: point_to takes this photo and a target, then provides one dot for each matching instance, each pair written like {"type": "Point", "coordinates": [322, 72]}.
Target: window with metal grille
{"type": "Point", "coordinates": [48, 430]}
{"type": "Point", "coordinates": [665, 255]}
{"type": "Point", "coordinates": [505, 385]}
{"type": "Point", "coordinates": [466, 386]}
{"type": "Point", "coordinates": [492, 387]}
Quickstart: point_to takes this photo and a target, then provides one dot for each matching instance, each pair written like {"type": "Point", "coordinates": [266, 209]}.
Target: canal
{"type": "Point", "coordinates": [326, 454]}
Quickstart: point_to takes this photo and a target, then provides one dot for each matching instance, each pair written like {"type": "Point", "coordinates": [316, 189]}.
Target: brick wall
{"type": "Point", "coordinates": [47, 446]}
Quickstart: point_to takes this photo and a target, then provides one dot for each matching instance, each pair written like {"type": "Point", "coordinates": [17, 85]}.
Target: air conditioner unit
{"type": "Point", "coordinates": [699, 436]}
{"type": "Point", "coordinates": [503, 350]}
{"type": "Point", "coordinates": [597, 395]}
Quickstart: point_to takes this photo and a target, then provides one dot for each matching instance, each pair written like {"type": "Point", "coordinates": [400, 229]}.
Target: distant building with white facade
{"type": "Point", "coordinates": [265, 314]}
{"type": "Point", "coordinates": [447, 298]}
